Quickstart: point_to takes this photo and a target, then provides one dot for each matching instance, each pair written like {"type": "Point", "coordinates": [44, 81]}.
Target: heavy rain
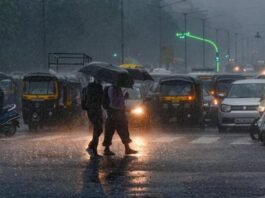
{"type": "Point", "coordinates": [132, 98]}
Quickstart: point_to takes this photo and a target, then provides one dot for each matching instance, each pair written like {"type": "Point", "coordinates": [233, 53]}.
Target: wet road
{"type": "Point", "coordinates": [175, 163]}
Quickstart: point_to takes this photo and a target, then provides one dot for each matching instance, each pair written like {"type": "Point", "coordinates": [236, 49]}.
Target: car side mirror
{"type": "Point", "coordinates": [222, 95]}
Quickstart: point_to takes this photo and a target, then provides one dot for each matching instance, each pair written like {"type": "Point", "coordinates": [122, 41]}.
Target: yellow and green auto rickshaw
{"type": "Point", "coordinates": [48, 99]}
{"type": "Point", "coordinates": [176, 99]}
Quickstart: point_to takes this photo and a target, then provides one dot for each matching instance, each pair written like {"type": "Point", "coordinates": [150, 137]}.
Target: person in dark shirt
{"type": "Point", "coordinates": [94, 92]}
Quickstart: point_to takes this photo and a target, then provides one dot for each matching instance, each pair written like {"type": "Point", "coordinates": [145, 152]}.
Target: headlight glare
{"type": "Point", "coordinates": [225, 108]}
{"type": "Point", "coordinates": [137, 111]}
{"type": "Point", "coordinates": [261, 109]}
{"type": "Point", "coordinates": [215, 102]}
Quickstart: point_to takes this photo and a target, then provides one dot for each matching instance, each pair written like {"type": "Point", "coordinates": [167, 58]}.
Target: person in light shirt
{"type": "Point", "coordinates": [116, 120]}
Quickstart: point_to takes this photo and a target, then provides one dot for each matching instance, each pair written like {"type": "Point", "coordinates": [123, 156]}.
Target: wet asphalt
{"type": "Point", "coordinates": [171, 163]}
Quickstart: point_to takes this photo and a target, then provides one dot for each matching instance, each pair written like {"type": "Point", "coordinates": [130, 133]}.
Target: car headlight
{"type": "Point", "coordinates": [225, 108]}
{"type": "Point", "coordinates": [215, 102]}
{"type": "Point", "coordinates": [137, 111]}
{"type": "Point", "coordinates": [261, 109]}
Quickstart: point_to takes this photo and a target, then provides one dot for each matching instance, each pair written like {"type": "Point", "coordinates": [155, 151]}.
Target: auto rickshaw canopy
{"type": "Point", "coordinates": [131, 66]}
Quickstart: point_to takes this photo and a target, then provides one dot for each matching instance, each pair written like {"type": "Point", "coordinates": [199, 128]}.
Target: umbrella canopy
{"type": "Point", "coordinates": [108, 73]}
{"type": "Point", "coordinates": [139, 74]}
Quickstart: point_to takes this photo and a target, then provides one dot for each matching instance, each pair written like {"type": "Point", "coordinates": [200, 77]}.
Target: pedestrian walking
{"type": "Point", "coordinates": [92, 97]}
{"type": "Point", "coordinates": [116, 119]}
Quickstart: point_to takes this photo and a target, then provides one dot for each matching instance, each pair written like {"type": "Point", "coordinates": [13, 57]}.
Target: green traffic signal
{"type": "Point", "coordinates": [183, 35]}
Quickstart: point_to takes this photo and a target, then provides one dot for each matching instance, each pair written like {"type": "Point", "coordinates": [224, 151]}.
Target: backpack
{"type": "Point", "coordinates": [106, 100]}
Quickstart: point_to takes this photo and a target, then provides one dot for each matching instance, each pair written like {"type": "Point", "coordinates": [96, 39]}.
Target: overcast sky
{"type": "Point", "coordinates": [246, 16]}
{"type": "Point", "coordinates": [249, 14]}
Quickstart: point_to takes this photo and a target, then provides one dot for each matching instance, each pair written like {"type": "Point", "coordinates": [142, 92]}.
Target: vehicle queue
{"type": "Point", "coordinates": [195, 99]}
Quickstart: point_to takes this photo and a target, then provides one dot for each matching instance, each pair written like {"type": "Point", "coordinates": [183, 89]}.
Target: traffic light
{"type": "Point", "coordinates": [115, 55]}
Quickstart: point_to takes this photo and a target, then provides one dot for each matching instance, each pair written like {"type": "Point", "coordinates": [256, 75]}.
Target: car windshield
{"type": "Point", "coordinates": [251, 90]}
{"type": "Point", "coordinates": [207, 85]}
{"type": "Point", "coordinates": [39, 87]}
{"type": "Point", "coordinates": [223, 86]}
{"type": "Point", "coordinates": [134, 94]}
{"type": "Point", "coordinates": [6, 84]}
{"type": "Point", "coordinates": [205, 93]}
{"type": "Point", "coordinates": [176, 88]}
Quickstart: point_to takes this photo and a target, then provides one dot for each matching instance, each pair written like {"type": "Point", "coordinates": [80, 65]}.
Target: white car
{"type": "Point", "coordinates": [240, 107]}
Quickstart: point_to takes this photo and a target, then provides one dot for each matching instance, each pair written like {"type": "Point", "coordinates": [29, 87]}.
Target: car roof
{"type": "Point", "coordinates": [249, 81]}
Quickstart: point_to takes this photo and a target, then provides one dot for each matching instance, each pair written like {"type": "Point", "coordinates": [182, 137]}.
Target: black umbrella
{"type": "Point", "coordinates": [108, 73]}
{"type": "Point", "coordinates": [139, 74]}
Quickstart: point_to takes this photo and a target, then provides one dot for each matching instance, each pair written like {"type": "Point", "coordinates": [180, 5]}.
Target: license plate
{"type": "Point", "coordinates": [243, 120]}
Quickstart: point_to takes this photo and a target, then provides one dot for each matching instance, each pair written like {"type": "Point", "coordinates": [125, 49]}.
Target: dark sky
{"type": "Point", "coordinates": [245, 16]}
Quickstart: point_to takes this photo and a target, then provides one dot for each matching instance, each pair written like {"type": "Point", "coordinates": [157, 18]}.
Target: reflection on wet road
{"type": "Point", "coordinates": [176, 163]}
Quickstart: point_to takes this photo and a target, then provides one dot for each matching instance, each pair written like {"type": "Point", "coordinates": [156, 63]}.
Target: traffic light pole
{"type": "Point", "coordinates": [160, 36]}
{"type": "Point", "coordinates": [44, 38]}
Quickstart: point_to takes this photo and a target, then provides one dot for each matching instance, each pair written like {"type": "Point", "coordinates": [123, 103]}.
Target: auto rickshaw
{"type": "Point", "coordinates": [48, 99]}
{"type": "Point", "coordinates": [177, 99]}
{"type": "Point", "coordinates": [222, 83]}
{"type": "Point", "coordinates": [9, 86]}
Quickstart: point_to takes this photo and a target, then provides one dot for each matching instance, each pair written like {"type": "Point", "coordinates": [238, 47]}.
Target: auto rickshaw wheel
{"type": "Point", "coordinates": [11, 130]}
{"type": "Point", "coordinates": [254, 131]}
{"type": "Point", "coordinates": [221, 129]}
{"type": "Point", "coordinates": [33, 127]}
{"type": "Point", "coordinates": [262, 137]}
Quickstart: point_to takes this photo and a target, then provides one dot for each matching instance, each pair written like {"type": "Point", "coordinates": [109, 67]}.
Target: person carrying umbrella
{"type": "Point", "coordinates": [92, 103]}
{"type": "Point", "coordinates": [116, 120]}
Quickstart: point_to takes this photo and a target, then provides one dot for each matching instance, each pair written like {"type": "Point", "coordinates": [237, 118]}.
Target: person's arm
{"type": "Point", "coordinates": [110, 93]}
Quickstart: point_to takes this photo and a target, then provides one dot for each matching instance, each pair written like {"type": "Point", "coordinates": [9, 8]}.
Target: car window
{"type": "Point", "coordinates": [176, 88]}
{"type": "Point", "coordinates": [252, 90]}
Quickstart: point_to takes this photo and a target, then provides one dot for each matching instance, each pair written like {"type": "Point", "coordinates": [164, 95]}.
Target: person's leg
{"type": "Point", "coordinates": [108, 135]}
{"type": "Point", "coordinates": [96, 119]}
{"type": "Point", "coordinates": [97, 131]}
{"type": "Point", "coordinates": [123, 131]}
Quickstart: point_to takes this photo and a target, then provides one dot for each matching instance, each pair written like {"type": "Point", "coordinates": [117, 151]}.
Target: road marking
{"type": "Point", "coordinates": [17, 137]}
{"type": "Point", "coordinates": [166, 139]}
{"type": "Point", "coordinates": [243, 141]}
{"type": "Point", "coordinates": [47, 138]}
{"type": "Point", "coordinates": [83, 138]}
{"type": "Point", "coordinates": [205, 140]}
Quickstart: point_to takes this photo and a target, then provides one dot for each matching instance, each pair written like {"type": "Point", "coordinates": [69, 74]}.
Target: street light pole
{"type": "Point", "coordinates": [203, 43]}
{"type": "Point", "coordinates": [160, 35]}
{"type": "Point", "coordinates": [122, 32]}
{"type": "Point", "coordinates": [236, 36]}
{"type": "Point", "coordinates": [217, 35]}
{"type": "Point", "coordinates": [44, 38]}
{"type": "Point", "coordinates": [160, 25]}
{"type": "Point", "coordinates": [186, 44]}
